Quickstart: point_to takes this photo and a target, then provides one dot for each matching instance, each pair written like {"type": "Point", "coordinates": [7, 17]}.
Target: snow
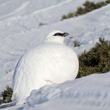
{"type": "Point", "coordinates": [20, 32]}
{"type": "Point", "coordinates": [88, 92]}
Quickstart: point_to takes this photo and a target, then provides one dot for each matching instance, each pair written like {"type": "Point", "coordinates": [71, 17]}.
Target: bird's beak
{"type": "Point", "coordinates": [65, 34]}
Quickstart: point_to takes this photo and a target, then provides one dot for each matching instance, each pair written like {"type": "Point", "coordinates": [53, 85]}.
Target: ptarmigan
{"type": "Point", "coordinates": [52, 62]}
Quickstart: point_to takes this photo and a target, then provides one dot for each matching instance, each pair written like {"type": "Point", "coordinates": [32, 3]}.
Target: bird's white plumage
{"type": "Point", "coordinates": [49, 63]}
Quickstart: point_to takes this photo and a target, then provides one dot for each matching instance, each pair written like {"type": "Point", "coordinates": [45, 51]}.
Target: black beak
{"type": "Point", "coordinates": [65, 34]}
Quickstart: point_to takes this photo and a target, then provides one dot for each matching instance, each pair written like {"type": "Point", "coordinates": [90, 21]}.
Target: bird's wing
{"type": "Point", "coordinates": [59, 65]}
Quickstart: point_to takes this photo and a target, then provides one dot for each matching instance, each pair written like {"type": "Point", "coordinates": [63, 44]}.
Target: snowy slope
{"type": "Point", "coordinates": [20, 31]}
{"type": "Point", "coordinates": [71, 95]}
{"type": "Point", "coordinates": [91, 92]}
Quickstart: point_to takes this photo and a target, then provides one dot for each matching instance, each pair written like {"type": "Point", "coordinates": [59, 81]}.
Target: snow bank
{"type": "Point", "coordinates": [91, 92]}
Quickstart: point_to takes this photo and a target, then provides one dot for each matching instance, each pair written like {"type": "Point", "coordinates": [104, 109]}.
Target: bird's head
{"type": "Point", "coordinates": [56, 36]}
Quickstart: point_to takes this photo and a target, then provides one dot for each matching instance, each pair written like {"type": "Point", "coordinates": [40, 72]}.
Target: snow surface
{"type": "Point", "coordinates": [86, 93]}
{"type": "Point", "coordinates": [20, 32]}
{"type": "Point", "coordinates": [91, 92]}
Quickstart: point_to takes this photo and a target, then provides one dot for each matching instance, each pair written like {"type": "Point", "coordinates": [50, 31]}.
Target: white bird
{"type": "Point", "coordinates": [52, 62]}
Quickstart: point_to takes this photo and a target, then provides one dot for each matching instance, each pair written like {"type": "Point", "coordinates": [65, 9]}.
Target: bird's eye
{"type": "Point", "coordinates": [61, 34]}
{"type": "Point", "coordinates": [58, 34]}
{"type": "Point", "coordinates": [55, 34]}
